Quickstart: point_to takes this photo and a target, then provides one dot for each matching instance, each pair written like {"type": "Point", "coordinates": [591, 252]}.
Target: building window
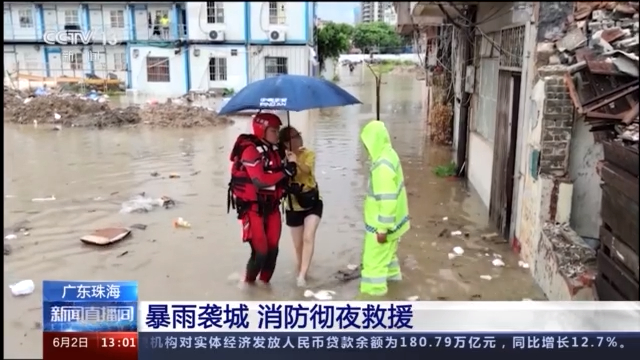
{"type": "Point", "coordinates": [119, 62]}
{"type": "Point", "coordinates": [117, 19]}
{"type": "Point", "coordinates": [75, 60]}
{"type": "Point", "coordinates": [26, 18]}
{"type": "Point", "coordinates": [71, 17]}
{"type": "Point", "coordinates": [158, 69]}
{"type": "Point", "coordinates": [277, 13]}
{"type": "Point", "coordinates": [274, 66]}
{"type": "Point", "coordinates": [215, 12]}
{"type": "Point", "coordinates": [161, 13]}
{"type": "Point", "coordinates": [218, 69]}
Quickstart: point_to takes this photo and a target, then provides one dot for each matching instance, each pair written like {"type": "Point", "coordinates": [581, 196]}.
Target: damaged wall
{"type": "Point", "coordinates": [547, 192]}
{"type": "Point", "coordinates": [546, 198]}
{"type": "Point", "coordinates": [569, 33]}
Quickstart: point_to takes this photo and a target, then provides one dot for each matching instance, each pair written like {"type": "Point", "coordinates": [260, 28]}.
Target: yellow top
{"type": "Point", "coordinates": [308, 158]}
{"type": "Point", "coordinates": [164, 21]}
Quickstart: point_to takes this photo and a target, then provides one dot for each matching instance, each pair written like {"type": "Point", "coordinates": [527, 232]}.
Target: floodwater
{"type": "Point", "coordinates": [91, 173]}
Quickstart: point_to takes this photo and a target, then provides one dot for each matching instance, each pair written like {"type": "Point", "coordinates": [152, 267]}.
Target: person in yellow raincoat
{"type": "Point", "coordinates": [386, 212]}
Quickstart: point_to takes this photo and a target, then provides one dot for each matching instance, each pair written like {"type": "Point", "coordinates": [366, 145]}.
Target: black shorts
{"type": "Point", "coordinates": [296, 218]}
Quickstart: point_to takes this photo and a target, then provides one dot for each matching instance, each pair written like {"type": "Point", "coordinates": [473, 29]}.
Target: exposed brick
{"type": "Point", "coordinates": [557, 124]}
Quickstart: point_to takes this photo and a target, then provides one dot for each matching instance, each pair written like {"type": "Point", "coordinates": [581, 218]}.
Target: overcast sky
{"type": "Point", "coordinates": [337, 11]}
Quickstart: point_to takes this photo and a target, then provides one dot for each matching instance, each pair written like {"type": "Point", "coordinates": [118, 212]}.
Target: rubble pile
{"type": "Point", "coordinates": [80, 111]}
{"type": "Point", "coordinates": [171, 115]}
{"type": "Point", "coordinates": [598, 47]}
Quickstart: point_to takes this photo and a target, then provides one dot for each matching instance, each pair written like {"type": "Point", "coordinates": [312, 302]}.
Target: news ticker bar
{"type": "Point", "coordinates": [384, 345]}
{"type": "Point", "coordinates": [90, 345]}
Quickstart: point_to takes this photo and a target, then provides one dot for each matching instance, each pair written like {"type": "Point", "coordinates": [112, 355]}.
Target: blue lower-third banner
{"type": "Point", "coordinates": [342, 345]}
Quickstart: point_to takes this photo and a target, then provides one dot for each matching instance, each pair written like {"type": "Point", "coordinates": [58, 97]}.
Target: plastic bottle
{"type": "Point", "coordinates": [180, 222]}
{"type": "Point", "coordinates": [24, 287]}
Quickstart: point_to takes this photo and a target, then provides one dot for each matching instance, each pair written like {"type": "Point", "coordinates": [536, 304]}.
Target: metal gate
{"type": "Point", "coordinates": [505, 137]}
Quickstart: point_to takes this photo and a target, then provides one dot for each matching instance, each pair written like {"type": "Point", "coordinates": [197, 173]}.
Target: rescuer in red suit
{"type": "Point", "coordinates": [259, 175]}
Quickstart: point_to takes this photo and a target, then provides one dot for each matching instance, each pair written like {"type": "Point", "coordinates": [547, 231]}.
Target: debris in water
{"type": "Point", "coordinates": [456, 233]}
{"type": "Point", "coordinates": [351, 273]}
{"type": "Point", "coordinates": [180, 222]}
{"type": "Point", "coordinates": [11, 237]}
{"type": "Point", "coordinates": [167, 202]}
{"type": "Point", "coordinates": [174, 176]}
{"type": "Point", "coordinates": [24, 287]}
{"type": "Point", "coordinates": [123, 254]}
{"type": "Point", "coordinates": [497, 263]}
{"type": "Point", "coordinates": [155, 174]}
{"type": "Point", "coordinates": [105, 236]}
{"type": "Point", "coordinates": [445, 218]}
{"type": "Point", "coordinates": [485, 277]}
{"type": "Point", "coordinates": [413, 298]}
{"type": "Point", "coordinates": [195, 173]}
{"type": "Point", "coordinates": [139, 226]}
{"type": "Point", "coordinates": [526, 299]}
{"type": "Point", "coordinates": [57, 116]}
{"type": "Point", "coordinates": [489, 236]}
{"type": "Point", "coordinates": [7, 249]}
{"type": "Point", "coordinates": [523, 264]}
{"type": "Point", "coordinates": [142, 203]}
{"type": "Point", "coordinates": [452, 256]}
{"type": "Point", "coordinates": [458, 250]}
{"type": "Point", "coordinates": [443, 232]}
{"type": "Point", "coordinates": [50, 198]}
{"type": "Point", "coordinates": [320, 295]}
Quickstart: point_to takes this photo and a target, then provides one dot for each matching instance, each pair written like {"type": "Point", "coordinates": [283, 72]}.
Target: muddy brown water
{"type": "Point", "coordinates": [91, 173]}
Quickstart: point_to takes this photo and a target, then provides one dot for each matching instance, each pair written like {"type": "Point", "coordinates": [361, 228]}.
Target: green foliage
{"type": "Point", "coordinates": [375, 35]}
{"type": "Point", "coordinates": [332, 40]}
{"type": "Point", "coordinates": [445, 170]}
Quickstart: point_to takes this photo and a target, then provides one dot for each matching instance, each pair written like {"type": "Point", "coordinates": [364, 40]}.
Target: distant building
{"type": "Point", "coordinates": [372, 11]}
{"type": "Point", "coordinates": [389, 16]}
{"type": "Point", "coordinates": [357, 15]}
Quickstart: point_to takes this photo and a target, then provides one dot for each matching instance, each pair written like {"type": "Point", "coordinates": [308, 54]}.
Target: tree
{"type": "Point", "coordinates": [332, 40]}
{"type": "Point", "coordinates": [375, 35]}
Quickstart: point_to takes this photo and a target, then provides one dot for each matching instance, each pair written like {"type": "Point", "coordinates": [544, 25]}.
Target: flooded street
{"type": "Point", "coordinates": [91, 173]}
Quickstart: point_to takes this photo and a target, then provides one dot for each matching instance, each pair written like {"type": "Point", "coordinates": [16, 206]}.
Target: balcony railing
{"type": "Point", "coordinates": [54, 32]}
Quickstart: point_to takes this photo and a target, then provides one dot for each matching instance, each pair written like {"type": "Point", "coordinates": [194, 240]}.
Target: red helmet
{"type": "Point", "coordinates": [262, 121]}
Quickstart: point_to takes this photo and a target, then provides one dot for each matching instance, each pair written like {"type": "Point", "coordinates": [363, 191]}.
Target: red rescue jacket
{"type": "Point", "coordinates": [256, 174]}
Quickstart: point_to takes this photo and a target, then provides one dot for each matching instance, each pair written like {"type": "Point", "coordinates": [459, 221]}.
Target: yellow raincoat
{"type": "Point", "coordinates": [386, 210]}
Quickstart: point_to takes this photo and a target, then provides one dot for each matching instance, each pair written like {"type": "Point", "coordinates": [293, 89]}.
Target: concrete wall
{"type": "Point", "coordinates": [480, 166]}
{"type": "Point", "coordinates": [587, 194]}
{"type": "Point", "coordinates": [233, 26]}
{"type": "Point", "coordinates": [249, 22]}
{"type": "Point", "coordinates": [236, 66]}
{"type": "Point", "coordinates": [297, 59]}
{"type": "Point", "coordinates": [298, 24]}
{"type": "Point", "coordinates": [177, 84]}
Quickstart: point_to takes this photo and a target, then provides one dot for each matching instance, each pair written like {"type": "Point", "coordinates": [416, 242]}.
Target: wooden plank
{"type": "Point", "coordinates": [619, 252]}
{"type": "Point", "coordinates": [500, 153]}
{"type": "Point", "coordinates": [622, 156]}
{"type": "Point", "coordinates": [621, 180]}
{"type": "Point", "coordinates": [621, 215]}
{"type": "Point", "coordinates": [618, 278]}
{"type": "Point", "coordinates": [606, 292]}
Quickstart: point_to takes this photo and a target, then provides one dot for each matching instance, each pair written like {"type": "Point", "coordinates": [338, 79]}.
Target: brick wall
{"type": "Point", "coordinates": [557, 122]}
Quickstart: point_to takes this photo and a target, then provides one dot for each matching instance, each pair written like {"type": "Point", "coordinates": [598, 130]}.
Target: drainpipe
{"type": "Point", "coordinates": [463, 129]}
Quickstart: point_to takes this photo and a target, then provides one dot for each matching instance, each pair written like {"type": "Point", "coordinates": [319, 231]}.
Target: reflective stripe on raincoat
{"type": "Point", "coordinates": [386, 208]}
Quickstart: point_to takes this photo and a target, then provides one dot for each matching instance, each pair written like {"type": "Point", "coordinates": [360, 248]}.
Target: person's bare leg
{"type": "Point", "coordinates": [296, 235]}
{"type": "Point", "coordinates": [311, 223]}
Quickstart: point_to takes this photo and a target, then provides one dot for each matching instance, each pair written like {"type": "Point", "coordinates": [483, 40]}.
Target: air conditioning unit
{"type": "Point", "coordinates": [216, 35]}
{"type": "Point", "coordinates": [276, 35]}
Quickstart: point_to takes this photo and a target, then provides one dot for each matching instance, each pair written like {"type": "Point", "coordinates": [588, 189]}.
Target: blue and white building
{"type": "Point", "coordinates": [208, 45]}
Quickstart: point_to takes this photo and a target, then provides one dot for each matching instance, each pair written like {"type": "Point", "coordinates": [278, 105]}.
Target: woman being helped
{"type": "Point", "coordinates": [303, 204]}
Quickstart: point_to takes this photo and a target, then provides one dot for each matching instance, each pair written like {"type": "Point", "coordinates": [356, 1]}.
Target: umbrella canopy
{"type": "Point", "coordinates": [289, 93]}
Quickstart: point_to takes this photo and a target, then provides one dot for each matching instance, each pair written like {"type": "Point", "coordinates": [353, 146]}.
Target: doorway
{"type": "Point", "coordinates": [504, 151]}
